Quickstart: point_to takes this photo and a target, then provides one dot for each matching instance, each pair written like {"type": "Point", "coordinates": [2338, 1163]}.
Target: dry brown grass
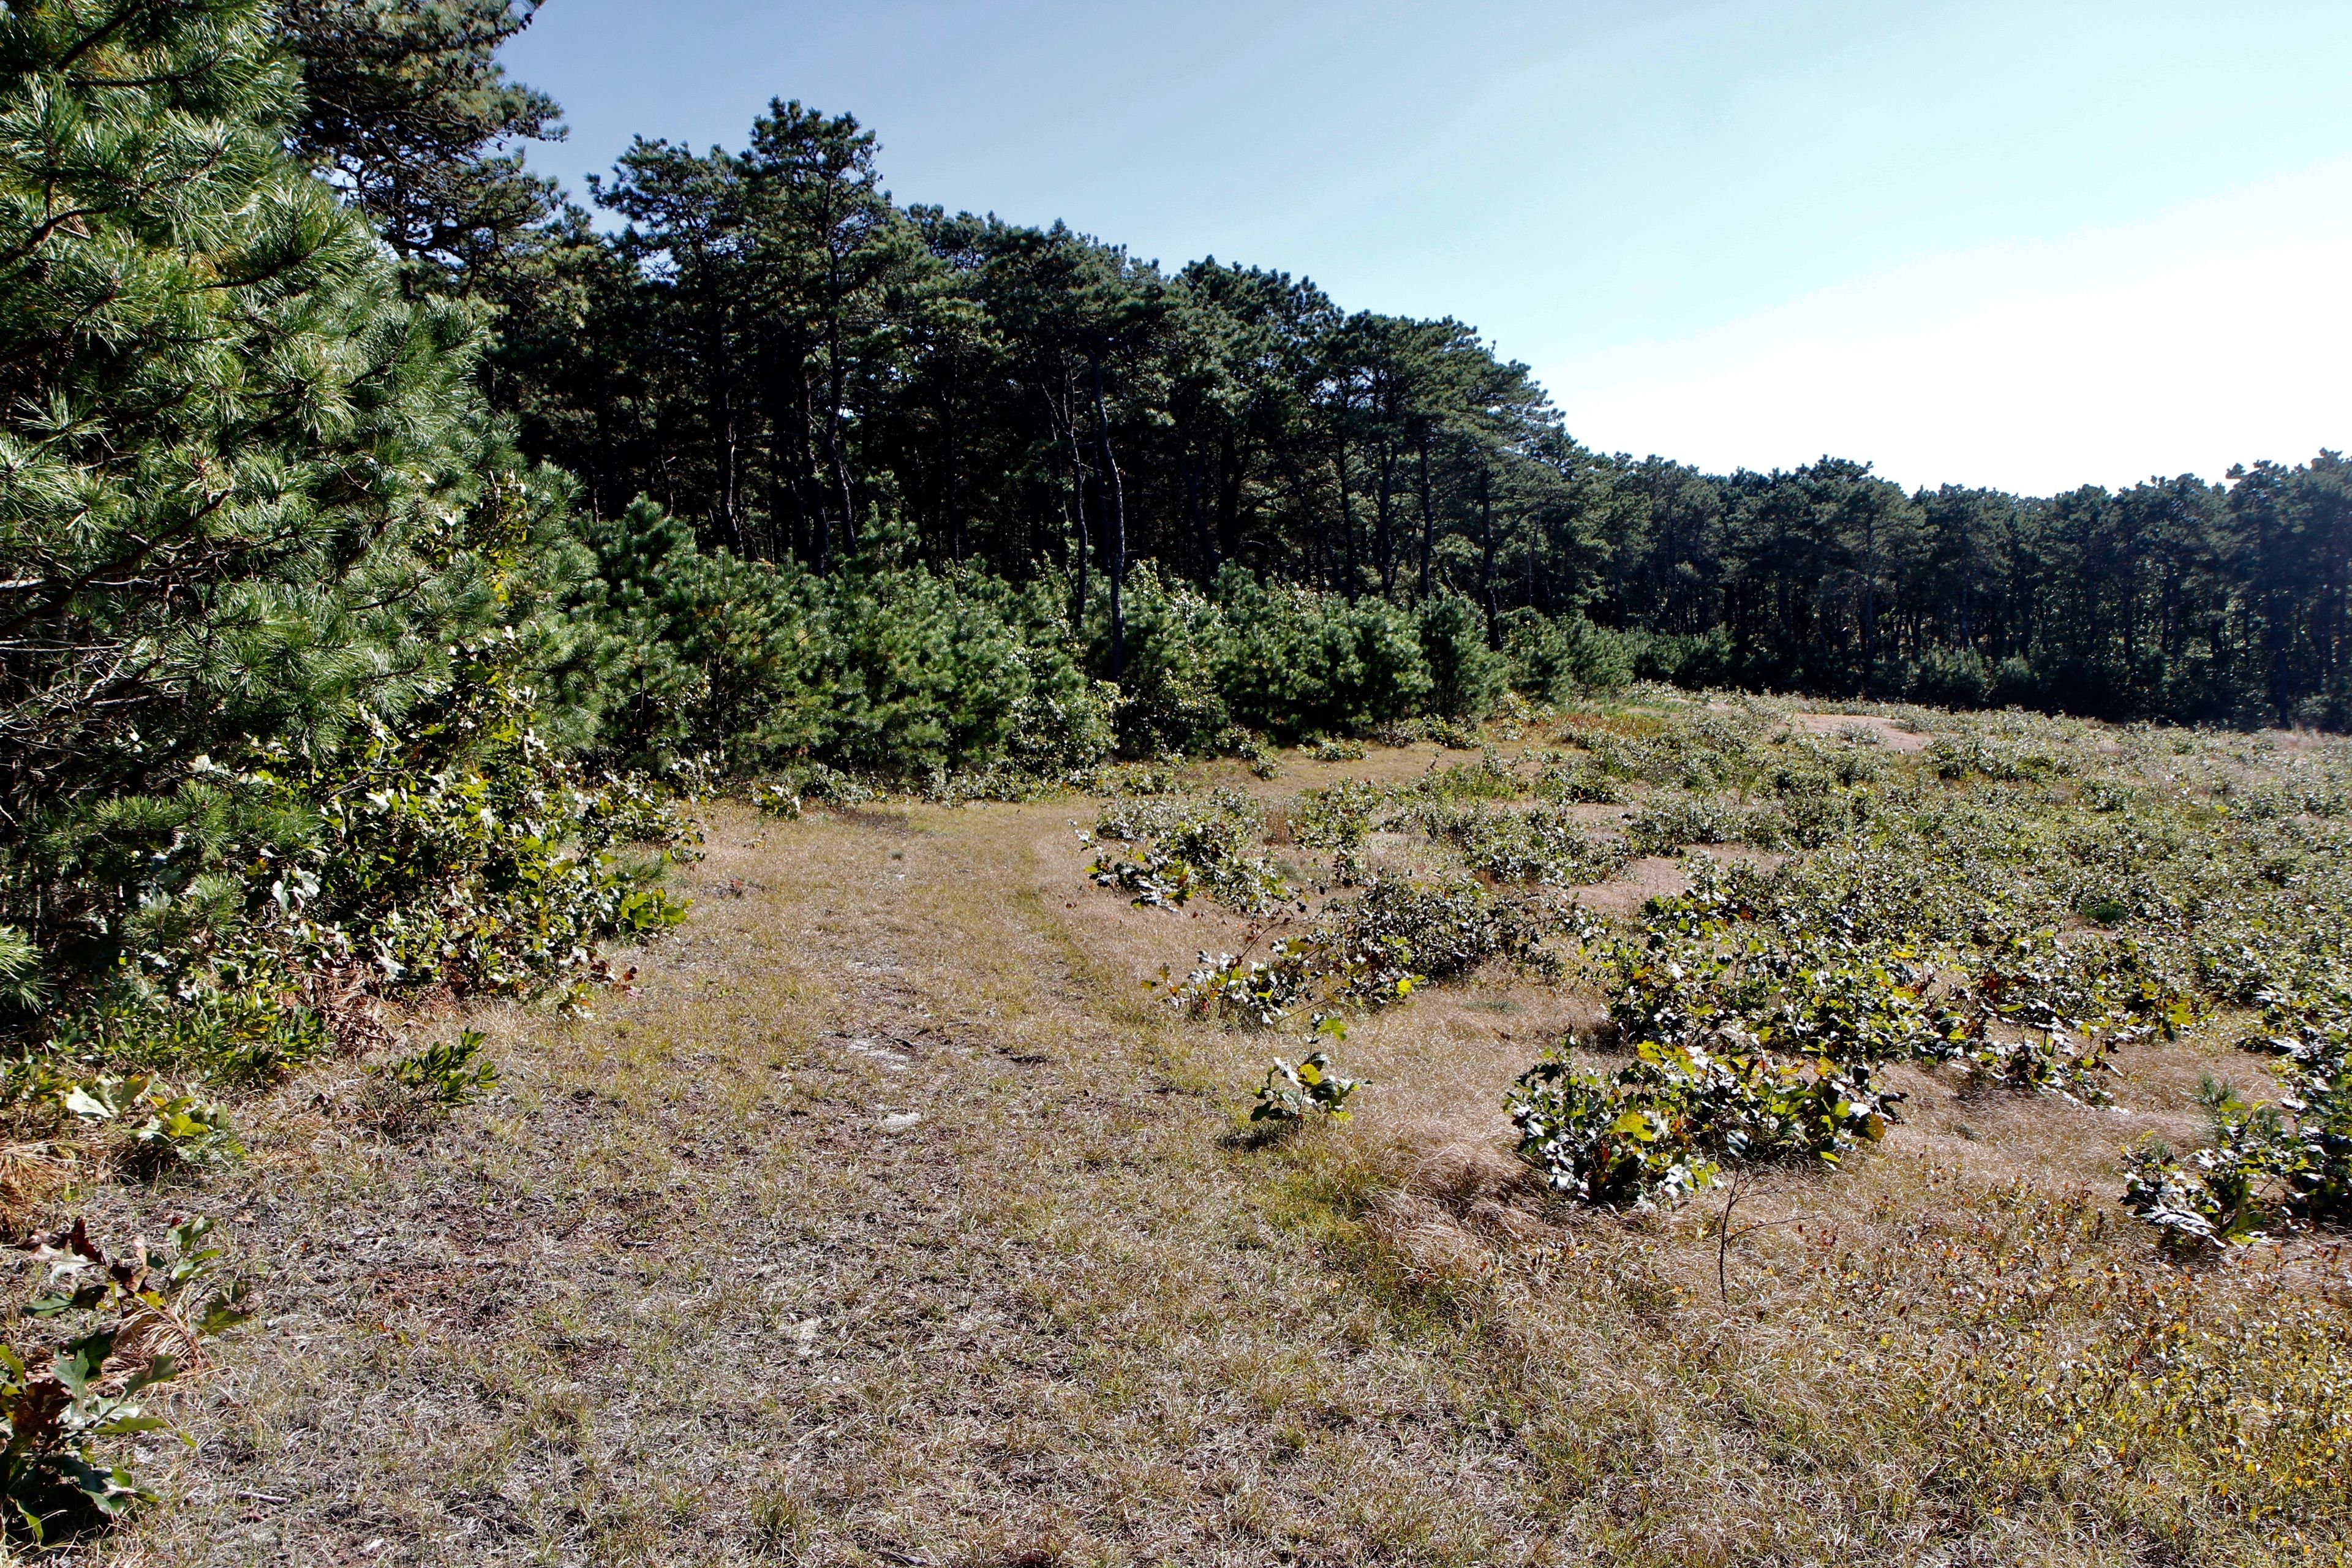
{"type": "Point", "coordinates": [892, 1221]}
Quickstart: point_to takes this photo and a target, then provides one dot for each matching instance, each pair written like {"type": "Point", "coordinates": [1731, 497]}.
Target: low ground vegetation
{"type": "Point", "coordinates": [1527, 1086]}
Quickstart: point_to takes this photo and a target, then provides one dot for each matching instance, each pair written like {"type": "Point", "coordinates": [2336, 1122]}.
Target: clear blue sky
{"type": "Point", "coordinates": [2030, 244]}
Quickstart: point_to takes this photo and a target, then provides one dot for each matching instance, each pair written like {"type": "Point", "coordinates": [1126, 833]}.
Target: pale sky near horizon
{"type": "Point", "coordinates": [2023, 244]}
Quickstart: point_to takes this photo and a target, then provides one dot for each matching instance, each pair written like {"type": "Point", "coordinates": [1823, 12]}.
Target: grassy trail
{"type": "Point", "coordinates": [694, 1290]}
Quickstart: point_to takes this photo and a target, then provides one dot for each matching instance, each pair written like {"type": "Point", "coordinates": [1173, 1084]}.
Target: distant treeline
{"type": "Point", "coordinates": [772, 348]}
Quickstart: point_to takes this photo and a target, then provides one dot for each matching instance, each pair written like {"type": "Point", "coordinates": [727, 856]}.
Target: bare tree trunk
{"type": "Point", "coordinates": [836, 387]}
{"type": "Point", "coordinates": [1347, 520]}
{"type": "Point", "coordinates": [1486, 522]}
{"type": "Point", "coordinates": [1057, 414]}
{"type": "Point", "coordinates": [1428, 520]}
{"type": "Point", "coordinates": [1117, 563]}
{"type": "Point", "coordinates": [1386, 541]}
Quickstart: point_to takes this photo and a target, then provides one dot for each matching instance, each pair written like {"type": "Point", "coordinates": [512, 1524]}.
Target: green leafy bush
{"type": "Point", "coordinates": [1264, 760]}
{"type": "Point", "coordinates": [1209, 842]}
{"type": "Point", "coordinates": [66, 1403]}
{"type": "Point", "coordinates": [412, 1093]}
{"type": "Point", "coordinates": [1666, 824]}
{"type": "Point", "coordinates": [777, 798]}
{"type": "Point", "coordinates": [1291, 1093]}
{"type": "Point", "coordinates": [1372, 951]}
{"type": "Point", "coordinates": [1557, 658]}
{"type": "Point", "coordinates": [1332, 967]}
{"type": "Point", "coordinates": [1488, 778]}
{"type": "Point", "coordinates": [1151, 876]}
{"type": "Point", "coordinates": [1338, 818]}
{"type": "Point", "coordinates": [1169, 702]}
{"type": "Point", "coordinates": [1654, 1130]}
{"type": "Point", "coordinates": [1466, 678]}
{"type": "Point", "coordinates": [1993, 757]}
{"type": "Point", "coordinates": [1532, 845]}
{"type": "Point", "coordinates": [2270, 1166]}
{"type": "Point", "coordinates": [1294, 662]}
{"type": "Point", "coordinates": [152, 1128]}
{"type": "Point", "coordinates": [1577, 783]}
{"type": "Point", "coordinates": [1446, 929]}
{"type": "Point", "coordinates": [878, 666]}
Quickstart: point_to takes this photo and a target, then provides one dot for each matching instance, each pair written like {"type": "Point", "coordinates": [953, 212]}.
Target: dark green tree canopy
{"type": "Point", "coordinates": [407, 114]}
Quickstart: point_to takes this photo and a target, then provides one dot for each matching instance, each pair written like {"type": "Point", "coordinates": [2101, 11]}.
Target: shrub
{"type": "Point", "coordinates": [1293, 662]}
{"type": "Point", "coordinates": [775, 798]}
{"type": "Point", "coordinates": [1338, 818]}
{"type": "Point", "coordinates": [1290, 1093]}
{"type": "Point", "coordinates": [1265, 762]}
{"type": "Point", "coordinates": [2270, 1166]}
{"type": "Point", "coordinates": [1327, 969]}
{"type": "Point", "coordinates": [1488, 778]}
{"type": "Point", "coordinates": [1184, 843]}
{"type": "Point", "coordinates": [1665, 825]}
{"type": "Point", "coordinates": [1169, 700]}
{"type": "Point", "coordinates": [1466, 677]}
{"type": "Point", "coordinates": [1557, 658]}
{"type": "Point", "coordinates": [408, 1095]}
{"type": "Point", "coordinates": [1957, 756]}
{"type": "Point", "coordinates": [64, 1405]}
{"type": "Point", "coordinates": [1578, 782]}
{"type": "Point", "coordinates": [1372, 951]}
{"type": "Point", "coordinates": [1444, 930]}
{"type": "Point", "coordinates": [1154, 879]}
{"type": "Point", "coordinates": [1524, 845]}
{"type": "Point", "coordinates": [878, 666]}
{"type": "Point", "coordinates": [1652, 1131]}
{"type": "Point", "coordinates": [152, 1128]}
{"type": "Point", "coordinates": [1707, 753]}
{"type": "Point", "coordinates": [1951, 678]}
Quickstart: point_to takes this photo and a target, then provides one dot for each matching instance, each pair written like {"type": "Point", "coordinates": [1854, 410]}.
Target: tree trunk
{"type": "Point", "coordinates": [1347, 521]}
{"type": "Point", "coordinates": [1428, 520]}
{"type": "Point", "coordinates": [1116, 524]}
{"type": "Point", "coordinates": [1386, 541]}
{"type": "Point", "coordinates": [1486, 525]}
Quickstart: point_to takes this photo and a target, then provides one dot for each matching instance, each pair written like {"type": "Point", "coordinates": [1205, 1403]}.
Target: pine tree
{"type": "Point", "coordinates": [408, 114]}
{"type": "Point", "coordinates": [242, 485]}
